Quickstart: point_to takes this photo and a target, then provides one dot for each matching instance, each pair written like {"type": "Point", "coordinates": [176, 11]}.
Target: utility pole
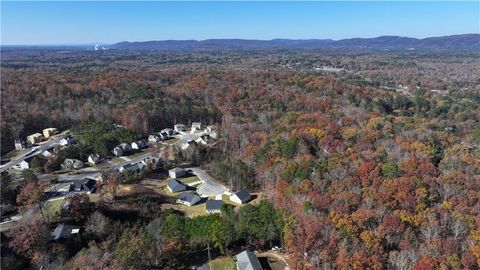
{"type": "Point", "coordinates": [208, 250]}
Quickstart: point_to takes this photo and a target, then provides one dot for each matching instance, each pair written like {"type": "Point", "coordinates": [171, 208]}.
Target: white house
{"type": "Point", "coordinates": [196, 126]}
{"type": "Point", "coordinates": [240, 197]}
{"type": "Point", "coordinates": [176, 172]}
{"type": "Point", "coordinates": [95, 159]}
{"type": "Point", "coordinates": [139, 144]}
{"type": "Point", "coordinates": [154, 138]}
{"type": "Point", "coordinates": [22, 144]}
{"type": "Point", "coordinates": [67, 141]}
{"type": "Point", "coordinates": [179, 127]}
{"type": "Point", "coordinates": [24, 164]}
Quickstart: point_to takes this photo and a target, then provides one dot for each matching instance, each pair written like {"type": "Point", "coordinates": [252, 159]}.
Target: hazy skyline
{"type": "Point", "coordinates": [109, 22]}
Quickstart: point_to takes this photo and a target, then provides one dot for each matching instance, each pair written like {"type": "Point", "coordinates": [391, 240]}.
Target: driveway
{"type": "Point", "coordinates": [208, 187]}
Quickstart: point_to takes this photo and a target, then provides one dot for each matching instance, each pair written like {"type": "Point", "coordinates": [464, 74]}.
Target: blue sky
{"type": "Point", "coordinates": [108, 22]}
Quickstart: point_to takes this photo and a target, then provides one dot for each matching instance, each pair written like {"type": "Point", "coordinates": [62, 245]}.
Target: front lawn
{"type": "Point", "coordinates": [223, 264]}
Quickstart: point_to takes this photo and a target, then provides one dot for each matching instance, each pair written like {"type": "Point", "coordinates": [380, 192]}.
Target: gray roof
{"type": "Point", "coordinates": [62, 231]}
{"type": "Point", "coordinates": [176, 170]}
{"type": "Point", "coordinates": [86, 184]}
{"type": "Point", "coordinates": [188, 197]}
{"type": "Point", "coordinates": [247, 260]}
{"type": "Point", "coordinates": [243, 195]}
{"type": "Point", "coordinates": [214, 204]}
{"type": "Point", "coordinates": [176, 185]}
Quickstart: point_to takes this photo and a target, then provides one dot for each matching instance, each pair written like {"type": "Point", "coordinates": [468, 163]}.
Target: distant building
{"type": "Point", "coordinates": [22, 144]}
{"type": "Point", "coordinates": [140, 144]}
{"type": "Point", "coordinates": [240, 197]}
{"type": "Point", "coordinates": [94, 159]}
{"type": "Point", "coordinates": [175, 186]}
{"type": "Point", "coordinates": [188, 198]}
{"type": "Point", "coordinates": [132, 167]}
{"type": "Point", "coordinates": [34, 138]}
{"type": "Point", "coordinates": [118, 151]}
{"type": "Point", "coordinates": [25, 164]}
{"type": "Point", "coordinates": [204, 139]}
{"type": "Point", "coordinates": [164, 136]}
{"type": "Point", "coordinates": [67, 141]}
{"type": "Point", "coordinates": [176, 172]}
{"type": "Point", "coordinates": [169, 131]}
{"type": "Point", "coordinates": [154, 138]}
{"type": "Point", "coordinates": [196, 126]}
{"type": "Point", "coordinates": [126, 147]}
{"type": "Point", "coordinates": [72, 164]}
{"type": "Point", "coordinates": [213, 206]}
{"type": "Point", "coordinates": [247, 260]}
{"type": "Point", "coordinates": [188, 144]}
{"type": "Point", "coordinates": [86, 185]}
{"type": "Point", "coordinates": [63, 231]}
{"type": "Point", "coordinates": [179, 127]}
{"type": "Point", "coordinates": [49, 132]}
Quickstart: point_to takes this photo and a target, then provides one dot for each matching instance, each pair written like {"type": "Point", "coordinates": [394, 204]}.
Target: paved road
{"type": "Point", "coordinates": [54, 140]}
{"type": "Point", "coordinates": [209, 186]}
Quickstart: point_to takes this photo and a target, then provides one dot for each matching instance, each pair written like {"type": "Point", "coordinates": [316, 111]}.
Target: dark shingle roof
{"type": "Point", "coordinates": [176, 170]}
{"type": "Point", "coordinates": [176, 185]}
{"type": "Point", "coordinates": [243, 195]}
{"type": "Point", "coordinates": [189, 197]}
{"type": "Point", "coordinates": [247, 260]}
{"type": "Point", "coordinates": [214, 204]}
{"type": "Point", "coordinates": [86, 185]}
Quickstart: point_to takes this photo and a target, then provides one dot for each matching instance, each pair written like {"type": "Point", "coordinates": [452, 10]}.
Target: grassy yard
{"type": "Point", "coordinates": [189, 180]}
{"type": "Point", "coordinates": [171, 140]}
{"type": "Point", "coordinates": [223, 264]}
{"type": "Point", "coordinates": [52, 209]}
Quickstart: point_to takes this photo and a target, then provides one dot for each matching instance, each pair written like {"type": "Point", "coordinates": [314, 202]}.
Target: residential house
{"type": "Point", "coordinates": [164, 136]}
{"type": "Point", "coordinates": [49, 152]}
{"type": "Point", "coordinates": [132, 167]}
{"type": "Point", "coordinates": [67, 141]}
{"type": "Point", "coordinates": [63, 231]}
{"type": "Point", "coordinates": [188, 198]}
{"type": "Point", "coordinates": [49, 132]}
{"type": "Point", "coordinates": [204, 139]}
{"type": "Point", "coordinates": [152, 162]}
{"type": "Point", "coordinates": [179, 127]}
{"type": "Point", "coordinates": [213, 206]}
{"type": "Point", "coordinates": [25, 164]}
{"type": "Point", "coordinates": [175, 186]}
{"type": "Point", "coordinates": [86, 185]}
{"type": "Point", "coordinates": [94, 159]}
{"type": "Point", "coordinates": [188, 144]}
{"type": "Point", "coordinates": [212, 131]}
{"type": "Point", "coordinates": [118, 151]}
{"type": "Point", "coordinates": [126, 147]}
{"type": "Point", "coordinates": [169, 131]}
{"type": "Point", "coordinates": [240, 197]}
{"type": "Point", "coordinates": [34, 138]}
{"type": "Point", "coordinates": [176, 172]}
{"type": "Point", "coordinates": [247, 260]}
{"type": "Point", "coordinates": [154, 138]}
{"type": "Point", "coordinates": [196, 126]}
{"type": "Point", "coordinates": [72, 164]}
{"type": "Point", "coordinates": [140, 144]}
{"type": "Point", "coordinates": [22, 144]}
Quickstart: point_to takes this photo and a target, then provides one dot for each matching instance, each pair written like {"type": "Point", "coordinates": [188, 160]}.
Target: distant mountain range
{"type": "Point", "coordinates": [455, 42]}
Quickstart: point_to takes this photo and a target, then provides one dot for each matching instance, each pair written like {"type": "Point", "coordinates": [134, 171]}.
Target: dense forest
{"type": "Point", "coordinates": [369, 160]}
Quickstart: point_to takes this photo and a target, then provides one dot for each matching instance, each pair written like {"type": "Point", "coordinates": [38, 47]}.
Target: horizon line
{"type": "Point", "coordinates": [206, 39]}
